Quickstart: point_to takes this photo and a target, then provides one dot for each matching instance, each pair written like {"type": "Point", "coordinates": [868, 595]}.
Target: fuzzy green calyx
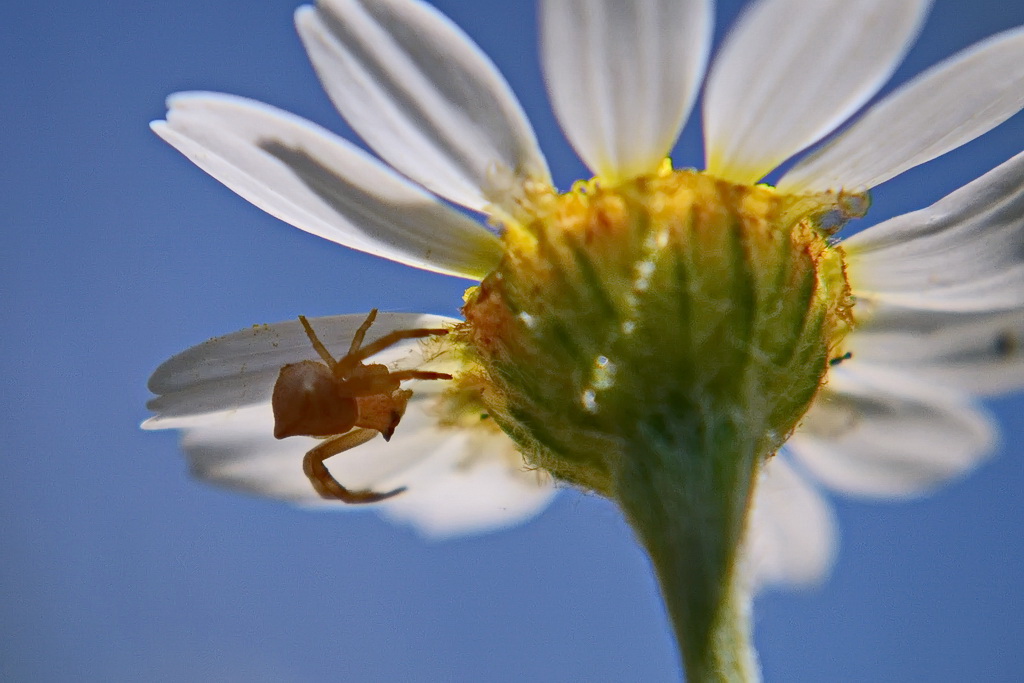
{"type": "Point", "coordinates": [657, 306]}
{"type": "Point", "coordinates": [655, 342]}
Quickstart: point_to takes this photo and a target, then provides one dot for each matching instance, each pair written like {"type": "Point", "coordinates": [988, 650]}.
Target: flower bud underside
{"type": "Point", "coordinates": [670, 310]}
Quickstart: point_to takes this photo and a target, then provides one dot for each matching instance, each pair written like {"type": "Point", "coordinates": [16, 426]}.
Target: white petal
{"type": "Point", "coordinates": [963, 253]}
{"type": "Point", "coordinates": [236, 449]}
{"type": "Point", "coordinates": [879, 433]}
{"type": "Point", "coordinates": [792, 535]}
{"type": "Point", "coordinates": [623, 76]}
{"type": "Point", "coordinates": [424, 97]}
{"type": "Point", "coordinates": [791, 71]}
{"type": "Point", "coordinates": [240, 369]}
{"type": "Point", "coordinates": [459, 480]}
{"type": "Point", "coordinates": [479, 483]}
{"type": "Point", "coordinates": [457, 483]}
{"type": "Point", "coordinates": [322, 184]}
{"type": "Point", "coordinates": [977, 353]}
{"type": "Point", "coordinates": [947, 106]}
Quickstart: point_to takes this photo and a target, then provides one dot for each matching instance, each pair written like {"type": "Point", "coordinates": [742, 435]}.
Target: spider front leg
{"type": "Point", "coordinates": [357, 355]}
{"type": "Point", "coordinates": [325, 484]}
{"type": "Point", "coordinates": [357, 338]}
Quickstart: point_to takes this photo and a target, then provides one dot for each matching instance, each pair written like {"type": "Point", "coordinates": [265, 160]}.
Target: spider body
{"type": "Point", "coordinates": [345, 402]}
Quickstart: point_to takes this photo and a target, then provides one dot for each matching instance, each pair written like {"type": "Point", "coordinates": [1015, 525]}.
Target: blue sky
{"type": "Point", "coordinates": [118, 567]}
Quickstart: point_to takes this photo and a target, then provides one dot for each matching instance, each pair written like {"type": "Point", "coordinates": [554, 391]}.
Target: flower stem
{"type": "Point", "coordinates": [689, 511]}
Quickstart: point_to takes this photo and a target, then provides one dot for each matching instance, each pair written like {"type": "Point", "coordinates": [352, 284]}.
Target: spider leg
{"type": "Point", "coordinates": [357, 338]}
{"type": "Point", "coordinates": [325, 484]}
{"type": "Point", "coordinates": [317, 344]}
{"type": "Point", "coordinates": [403, 375]}
{"type": "Point", "coordinates": [353, 359]}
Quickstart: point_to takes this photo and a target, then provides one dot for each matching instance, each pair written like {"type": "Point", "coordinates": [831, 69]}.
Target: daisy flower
{"type": "Point", "coordinates": [691, 344]}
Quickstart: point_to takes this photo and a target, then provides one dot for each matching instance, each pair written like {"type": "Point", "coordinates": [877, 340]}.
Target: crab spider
{"type": "Point", "coordinates": [344, 402]}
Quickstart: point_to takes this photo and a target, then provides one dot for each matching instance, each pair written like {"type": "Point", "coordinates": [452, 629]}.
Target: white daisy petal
{"type": "Point", "coordinates": [240, 369]}
{"type": "Point", "coordinates": [977, 353]}
{"type": "Point", "coordinates": [963, 253]}
{"type": "Point", "coordinates": [322, 184]}
{"type": "Point", "coordinates": [236, 449]}
{"type": "Point", "coordinates": [479, 483]}
{"type": "Point", "coordinates": [943, 108]}
{"type": "Point", "coordinates": [623, 76]}
{"type": "Point", "coordinates": [791, 71]}
{"type": "Point", "coordinates": [459, 480]}
{"type": "Point", "coordinates": [424, 97]}
{"type": "Point", "coordinates": [455, 485]}
{"type": "Point", "coordinates": [879, 433]}
{"type": "Point", "coordinates": [792, 534]}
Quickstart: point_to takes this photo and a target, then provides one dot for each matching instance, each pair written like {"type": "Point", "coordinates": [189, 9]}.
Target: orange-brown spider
{"type": "Point", "coordinates": [344, 402]}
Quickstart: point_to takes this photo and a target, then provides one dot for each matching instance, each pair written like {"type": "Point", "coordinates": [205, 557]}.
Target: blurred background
{"type": "Point", "coordinates": [118, 567]}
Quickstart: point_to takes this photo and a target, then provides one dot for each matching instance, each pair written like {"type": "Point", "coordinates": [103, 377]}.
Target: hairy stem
{"type": "Point", "coordinates": [689, 511]}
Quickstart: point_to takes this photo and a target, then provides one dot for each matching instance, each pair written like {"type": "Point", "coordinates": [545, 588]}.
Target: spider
{"type": "Point", "coordinates": [344, 402]}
